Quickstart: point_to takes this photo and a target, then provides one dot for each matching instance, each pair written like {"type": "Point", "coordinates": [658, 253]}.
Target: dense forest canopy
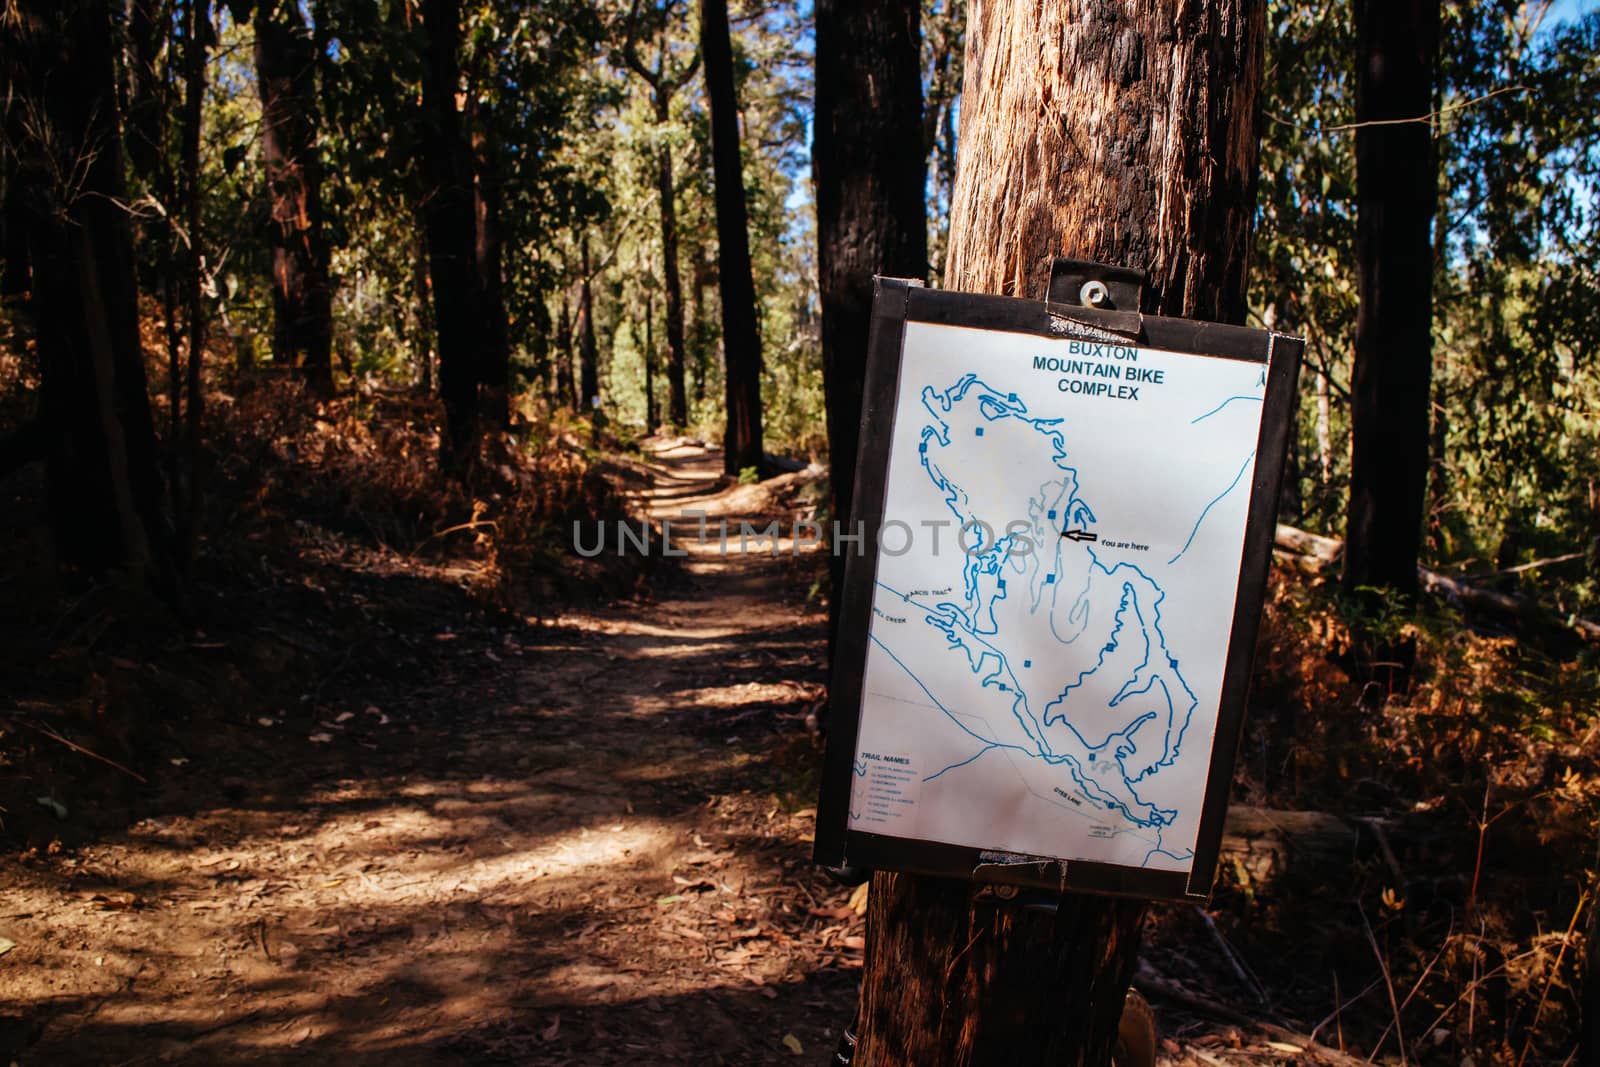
{"type": "Point", "coordinates": [384, 297]}
{"type": "Point", "coordinates": [574, 143]}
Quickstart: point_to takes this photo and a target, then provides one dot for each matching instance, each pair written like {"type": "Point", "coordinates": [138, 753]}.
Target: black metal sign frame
{"type": "Point", "coordinates": [897, 303]}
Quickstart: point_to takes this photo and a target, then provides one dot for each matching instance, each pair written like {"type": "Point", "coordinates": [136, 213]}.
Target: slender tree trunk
{"type": "Point", "coordinates": [566, 391]}
{"type": "Point", "coordinates": [302, 300]}
{"type": "Point", "coordinates": [870, 166]}
{"type": "Point", "coordinates": [741, 337]}
{"type": "Point", "coordinates": [421, 328]}
{"type": "Point", "coordinates": [677, 396]}
{"type": "Point", "coordinates": [494, 364]}
{"type": "Point", "coordinates": [540, 313]}
{"type": "Point", "coordinates": [452, 254]}
{"type": "Point", "coordinates": [105, 485]}
{"type": "Point", "coordinates": [588, 349]}
{"type": "Point", "coordinates": [1396, 191]}
{"type": "Point", "coordinates": [196, 41]}
{"type": "Point", "coordinates": [703, 328]}
{"type": "Point", "coordinates": [1124, 133]}
{"type": "Point", "coordinates": [650, 419]}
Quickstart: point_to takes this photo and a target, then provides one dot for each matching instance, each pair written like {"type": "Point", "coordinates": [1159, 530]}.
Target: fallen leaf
{"type": "Point", "coordinates": [344, 716]}
{"type": "Point", "coordinates": [793, 1044]}
{"type": "Point", "coordinates": [549, 1033]}
{"type": "Point", "coordinates": [320, 739]}
{"type": "Point", "coordinates": [1284, 1046]}
{"type": "Point", "coordinates": [6, 945]}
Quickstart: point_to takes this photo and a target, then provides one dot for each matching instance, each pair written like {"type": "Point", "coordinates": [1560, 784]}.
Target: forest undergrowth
{"type": "Point", "coordinates": [334, 548]}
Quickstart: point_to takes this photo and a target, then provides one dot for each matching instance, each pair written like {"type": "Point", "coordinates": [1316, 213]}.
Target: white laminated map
{"type": "Point", "coordinates": [1056, 577]}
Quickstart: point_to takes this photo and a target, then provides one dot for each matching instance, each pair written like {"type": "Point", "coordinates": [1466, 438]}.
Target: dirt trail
{"type": "Point", "coordinates": [583, 841]}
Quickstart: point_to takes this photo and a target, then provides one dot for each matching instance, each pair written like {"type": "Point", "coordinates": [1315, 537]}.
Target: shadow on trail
{"type": "Point", "coordinates": [480, 839]}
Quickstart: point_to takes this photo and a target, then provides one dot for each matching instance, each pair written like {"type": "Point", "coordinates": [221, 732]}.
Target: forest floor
{"type": "Point", "coordinates": [579, 839]}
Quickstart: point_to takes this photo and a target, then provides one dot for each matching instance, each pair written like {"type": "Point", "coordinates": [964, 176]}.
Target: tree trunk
{"type": "Point", "coordinates": [870, 165]}
{"type": "Point", "coordinates": [741, 338]}
{"type": "Point", "coordinates": [588, 349]}
{"type": "Point", "coordinates": [197, 37]}
{"type": "Point", "coordinates": [1117, 132]}
{"type": "Point", "coordinates": [677, 396]}
{"type": "Point", "coordinates": [649, 357]}
{"type": "Point", "coordinates": [494, 361]}
{"type": "Point", "coordinates": [566, 393]}
{"type": "Point", "coordinates": [302, 301]}
{"type": "Point", "coordinates": [540, 313]}
{"type": "Point", "coordinates": [452, 254]}
{"type": "Point", "coordinates": [105, 486]}
{"type": "Point", "coordinates": [1396, 192]}
{"type": "Point", "coordinates": [421, 328]}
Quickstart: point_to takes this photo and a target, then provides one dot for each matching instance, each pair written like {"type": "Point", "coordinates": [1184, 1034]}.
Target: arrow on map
{"type": "Point", "coordinates": [1080, 535]}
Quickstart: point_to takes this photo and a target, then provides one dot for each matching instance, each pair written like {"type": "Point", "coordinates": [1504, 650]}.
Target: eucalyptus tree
{"type": "Point", "coordinates": [665, 74]}
{"type": "Point", "coordinates": [741, 338]}
{"type": "Point", "coordinates": [106, 493]}
{"type": "Point", "coordinates": [1050, 86]}
{"type": "Point", "coordinates": [302, 300]}
{"type": "Point", "coordinates": [1396, 192]}
{"type": "Point", "coordinates": [871, 174]}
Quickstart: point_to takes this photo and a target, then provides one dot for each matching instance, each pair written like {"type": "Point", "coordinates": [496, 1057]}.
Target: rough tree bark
{"type": "Point", "coordinates": [566, 390]}
{"type": "Point", "coordinates": [871, 173]}
{"type": "Point", "coordinates": [1396, 192]}
{"type": "Point", "coordinates": [1122, 131]}
{"type": "Point", "coordinates": [302, 300]}
{"type": "Point", "coordinates": [452, 253]}
{"type": "Point", "coordinates": [651, 416]}
{"type": "Point", "coordinates": [197, 41]}
{"type": "Point", "coordinates": [105, 485]}
{"type": "Point", "coordinates": [494, 359]}
{"type": "Point", "coordinates": [588, 349]}
{"type": "Point", "coordinates": [741, 334]}
{"type": "Point", "coordinates": [664, 84]}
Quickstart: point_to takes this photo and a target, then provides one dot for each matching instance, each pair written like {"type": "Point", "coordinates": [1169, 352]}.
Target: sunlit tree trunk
{"type": "Point", "coordinates": [741, 336]}
{"type": "Point", "coordinates": [677, 395]}
{"type": "Point", "coordinates": [871, 174]}
{"type": "Point", "coordinates": [1110, 130]}
{"type": "Point", "coordinates": [649, 357]}
{"type": "Point", "coordinates": [302, 331]}
{"type": "Point", "coordinates": [1396, 192]}
{"type": "Point", "coordinates": [494, 359]}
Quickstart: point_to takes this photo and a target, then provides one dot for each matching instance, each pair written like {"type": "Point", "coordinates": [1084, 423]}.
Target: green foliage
{"type": "Point", "coordinates": [1516, 294]}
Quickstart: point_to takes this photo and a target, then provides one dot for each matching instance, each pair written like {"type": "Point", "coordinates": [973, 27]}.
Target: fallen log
{"type": "Point", "coordinates": [1261, 845]}
{"type": "Point", "coordinates": [1315, 553]}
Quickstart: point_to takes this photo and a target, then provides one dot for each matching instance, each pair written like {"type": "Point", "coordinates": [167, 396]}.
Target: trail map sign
{"type": "Point", "coordinates": [1045, 637]}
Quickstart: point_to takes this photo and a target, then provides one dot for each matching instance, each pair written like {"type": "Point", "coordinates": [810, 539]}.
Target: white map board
{"type": "Point", "coordinates": [1055, 587]}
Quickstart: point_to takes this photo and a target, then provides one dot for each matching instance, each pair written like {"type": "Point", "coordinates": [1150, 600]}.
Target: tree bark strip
{"type": "Point", "coordinates": [302, 300]}
{"type": "Point", "coordinates": [871, 172]}
{"type": "Point", "coordinates": [1396, 193]}
{"type": "Point", "coordinates": [452, 252]}
{"type": "Point", "coordinates": [494, 361]}
{"type": "Point", "coordinates": [588, 349]}
{"type": "Point", "coordinates": [741, 334]}
{"type": "Point", "coordinates": [1122, 131]}
{"type": "Point", "coordinates": [106, 494]}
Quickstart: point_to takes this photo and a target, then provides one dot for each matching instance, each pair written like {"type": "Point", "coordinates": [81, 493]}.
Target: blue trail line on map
{"type": "Point", "coordinates": [1219, 407]}
{"type": "Point", "coordinates": [1244, 467]}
